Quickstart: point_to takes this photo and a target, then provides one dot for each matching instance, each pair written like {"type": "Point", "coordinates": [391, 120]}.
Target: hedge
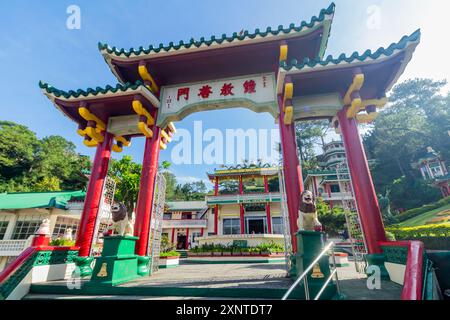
{"type": "Point", "coordinates": [418, 211]}
{"type": "Point", "coordinates": [431, 230]}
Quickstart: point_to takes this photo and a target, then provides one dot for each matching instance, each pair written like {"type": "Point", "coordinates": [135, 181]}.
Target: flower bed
{"type": "Point", "coordinates": [263, 250]}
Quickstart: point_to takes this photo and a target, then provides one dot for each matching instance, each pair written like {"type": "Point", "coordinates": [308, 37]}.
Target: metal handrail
{"type": "Point", "coordinates": [305, 279]}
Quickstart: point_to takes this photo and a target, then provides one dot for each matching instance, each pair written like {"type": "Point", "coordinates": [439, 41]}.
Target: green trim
{"type": "Point", "coordinates": [90, 91]}
{"type": "Point", "coordinates": [264, 293]}
{"type": "Point", "coordinates": [355, 57]}
{"type": "Point", "coordinates": [26, 200]}
{"type": "Point", "coordinates": [168, 266]}
{"type": "Point", "coordinates": [303, 27]}
{"type": "Point", "coordinates": [39, 258]}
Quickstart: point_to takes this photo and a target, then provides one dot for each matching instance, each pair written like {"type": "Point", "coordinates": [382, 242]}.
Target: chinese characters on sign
{"type": "Point", "coordinates": [254, 91]}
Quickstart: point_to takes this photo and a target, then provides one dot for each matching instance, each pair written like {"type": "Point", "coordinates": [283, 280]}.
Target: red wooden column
{"type": "Point", "coordinates": [93, 196]}
{"type": "Point", "coordinates": [366, 198]}
{"type": "Point", "coordinates": [173, 235]}
{"type": "Point", "coordinates": [186, 244]}
{"type": "Point", "coordinates": [216, 219]}
{"type": "Point", "coordinates": [146, 188]}
{"type": "Point", "coordinates": [241, 206]}
{"type": "Point", "coordinates": [241, 215]}
{"type": "Point", "coordinates": [292, 171]}
{"type": "Point", "coordinates": [269, 219]}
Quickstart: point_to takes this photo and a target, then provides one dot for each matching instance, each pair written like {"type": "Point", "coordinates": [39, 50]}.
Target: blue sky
{"type": "Point", "coordinates": [36, 45]}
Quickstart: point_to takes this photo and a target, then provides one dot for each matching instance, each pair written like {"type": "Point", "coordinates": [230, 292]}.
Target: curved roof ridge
{"type": "Point", "coordinates": [213, 39]}
{"type": "Point", "coordinates": [368, 54]}
{"type": "Point", "coordinates": [89, 91]}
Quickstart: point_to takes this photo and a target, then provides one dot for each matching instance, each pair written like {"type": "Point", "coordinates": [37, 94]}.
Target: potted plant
{"type": "Point", "coordinates": [254, 251]}
{"type": "Point", "coordinates": [217, 250]}
{"type": "Point", "coordinates": [236, 251]}
{"type": "Point", "coordinates": [194, 252]}
{"type": "Point", "coordinates": [227, 251]}
{"type": "Point", "coordinates": [245, 251]}
{"type": "Point", "coordinates": [169, 259]}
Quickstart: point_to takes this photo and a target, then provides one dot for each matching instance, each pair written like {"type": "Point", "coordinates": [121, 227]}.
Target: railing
{"type": "Point", "coordinates": [180, 223]}
{"type": "Point", "coordinates": [14, 247]}
{"type": "Point", "coordinates": [414, 276]}
{"type": "Point", "coordinates": [304, 277]}
{"type": "Point", "coordinates": [337, 196]}
{"type": "Point", "coordinates": [239, 198]}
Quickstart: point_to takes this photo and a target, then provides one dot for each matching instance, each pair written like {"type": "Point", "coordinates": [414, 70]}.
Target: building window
{"type": "Point", "coordinates": [277, 225]}
{"type": "Point", "coordinates": [3, 227]}
{"type": "Point", "coordinates": [167, 216]}
{"type": "Point", "coordinates": [62, 224]}
{"type": "Point", "coordinates": [231, 226]}
{"type": "Point", "coordinates": [274, 184]}
{"type": "Point", "coordinates": [334, 188]}
{"type": "Point", "coordinates": [195, 235]}
{"type": "Point", "coordinates": [26, 226]}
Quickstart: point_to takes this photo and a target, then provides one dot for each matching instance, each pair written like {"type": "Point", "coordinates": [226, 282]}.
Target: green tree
{"type": "Point", "coordinates": [309, 135]}
{"type": "Point", "coordinates": [127, 175]}
{"type": "Point", "coordinates": [18, 146]}
{"type": "Point", "coordinates": [332, 220]}
{"type": "Point", "coordinates": [418, 116]}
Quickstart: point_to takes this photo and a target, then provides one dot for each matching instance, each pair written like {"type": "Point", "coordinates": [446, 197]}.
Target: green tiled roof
{"type": "Point", "coordinates": [224, 38]}
{"type": "Point", "coordinates": [90, 91]}
{"type": "Point", "coordinates": [355, 57]}
{"type": "Point", "coordinates": [27, 200]}
{"type": "Point", "coordinates": [186, 205]}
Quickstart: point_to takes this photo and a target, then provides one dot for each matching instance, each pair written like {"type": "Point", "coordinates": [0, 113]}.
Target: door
{"type": "Point", "coordinates": [256, 226]}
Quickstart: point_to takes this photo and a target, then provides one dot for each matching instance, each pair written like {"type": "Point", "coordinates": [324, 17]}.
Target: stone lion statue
{"type": "Point", "coordinates": [122, 220]}
{"type": "Point", "coordinates": [307, 218]}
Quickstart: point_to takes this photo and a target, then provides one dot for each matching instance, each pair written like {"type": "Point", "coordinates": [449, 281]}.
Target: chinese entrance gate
{"type": "Point", "coordinates": [281, 71]}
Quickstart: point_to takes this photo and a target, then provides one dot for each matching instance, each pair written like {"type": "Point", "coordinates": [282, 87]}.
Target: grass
{"type": "Point", "coordinates": [424, 217]}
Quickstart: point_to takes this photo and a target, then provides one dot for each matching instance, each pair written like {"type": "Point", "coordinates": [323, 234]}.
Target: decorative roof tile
{"type": "Point", "coordinates": [355, 57]}
{"type": "Point", "coordinates": [90, 91]}
{"type": "Point", "coordinates": [132, 52]}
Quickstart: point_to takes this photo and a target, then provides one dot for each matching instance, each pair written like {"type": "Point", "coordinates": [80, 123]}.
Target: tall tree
{"type": "Point", "coordinates": [309, 136]}
{"type": "Point", "coordinates": [417, 117]}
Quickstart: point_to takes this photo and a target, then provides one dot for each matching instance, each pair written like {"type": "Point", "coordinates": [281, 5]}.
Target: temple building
{"type": "Point", "coordinates": [325, 182]}
{"type": "Point", "coordinates": [245, 205]}
{"type": "Point", "coordinates": [433, 169]}
{"type": "Point", "coordinates": [184, 222]}
{"type": "Point", "coordinates": [22, 213]}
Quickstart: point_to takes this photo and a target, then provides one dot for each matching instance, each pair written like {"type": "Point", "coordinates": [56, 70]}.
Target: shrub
{"type": "Point", "coordinates": [418, 211]}
{"type": "Point", "coordinates": [390, 236]}
{"type": "Point", "coordinates": [62, 243]}
{"type": "Point", "coordinates": [430, 230]}
{"type": "Point", "coordinates": [172, 253]}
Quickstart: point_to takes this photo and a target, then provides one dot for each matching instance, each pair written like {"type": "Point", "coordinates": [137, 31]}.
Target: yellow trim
{"type": "Point", "coordinates": [288, 91]}
{"type": "Point", "coordinates": [90, 144]}
{"type": "Point", "coordinates": [116, 148]}
{"type": "Point", "coordinates": [366, 118]}
{"type": "Point", "coordinates": [162, 145]}
{"type": "Point", "coordinates": [171, 127]}
{"type": "Point", "coordinates": [124, 141]}
{"type": "Point", "coordinates": [88, 116]}
{"type": "Point", "coordinates": [145, 130]}
{"type": "Point", "coordinates": [145, 75]}
{"type": "Point", "coordinates": [354, 108]}
{"type": "Point", "coordinates": [380, 103]}
{"type": "Point", "coordinates": [81, 132]}
{"type": "Point", "coordinates": [93, 134]}
{"type": "Point", "coordinates": [283, 52]}
{"type": "Point", "coordinates": [165, 136]}
{"type": "Point", "coordinates": [140, 110]}
{"type": "Point", "coordinates": [358, 81]}
{"type": "Point", "coordinates": [288, 115]}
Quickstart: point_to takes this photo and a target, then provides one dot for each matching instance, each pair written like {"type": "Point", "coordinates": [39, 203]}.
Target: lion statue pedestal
{"type": "Point", "coordinates": [309, 245]}
{"type": "Point", "coordinates": [118, 262]}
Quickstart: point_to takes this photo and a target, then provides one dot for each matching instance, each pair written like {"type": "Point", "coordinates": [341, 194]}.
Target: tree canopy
{"type": "Point", "coordinates": [30, 164]}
